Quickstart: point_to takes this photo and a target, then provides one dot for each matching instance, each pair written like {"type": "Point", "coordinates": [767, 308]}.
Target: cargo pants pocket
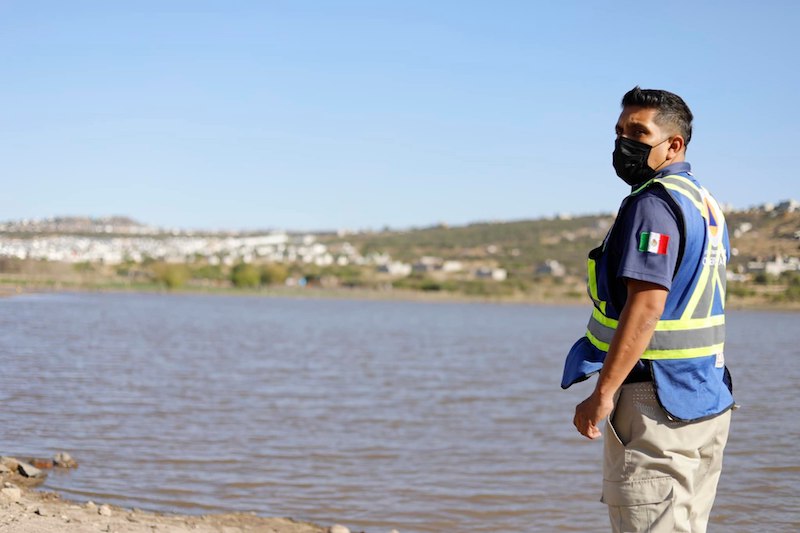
{"type": "Point", "coordinates": [640, 505]}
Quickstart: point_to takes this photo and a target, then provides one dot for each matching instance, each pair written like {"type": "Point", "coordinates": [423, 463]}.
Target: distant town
{"type": "Point", "coordinates": [118, 240]}
{"type": "Point", "coordinates": [516, 256]}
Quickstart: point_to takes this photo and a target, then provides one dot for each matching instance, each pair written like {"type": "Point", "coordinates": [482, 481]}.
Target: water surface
{"type": "Point", "coordinates": [417, 416]}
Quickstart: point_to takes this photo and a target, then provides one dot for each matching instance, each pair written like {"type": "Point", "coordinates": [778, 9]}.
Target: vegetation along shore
{"type": "Point", "coordinates": [541, 261]}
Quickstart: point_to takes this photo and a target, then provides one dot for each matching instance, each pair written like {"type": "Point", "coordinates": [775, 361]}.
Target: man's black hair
{"type": "Point", "coordinates": [671, 109]}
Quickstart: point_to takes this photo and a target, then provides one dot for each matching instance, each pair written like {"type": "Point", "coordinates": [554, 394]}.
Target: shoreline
{"type": "Point", "coordinates": [29, 286]}
{"type": "Point", "coordinates": [26, 508]}
{"type": "Point", "coordinates": [341, 293]}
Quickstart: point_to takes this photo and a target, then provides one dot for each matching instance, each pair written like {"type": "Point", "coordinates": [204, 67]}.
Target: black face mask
{"type": "Point", "coordinates": [630, 160]}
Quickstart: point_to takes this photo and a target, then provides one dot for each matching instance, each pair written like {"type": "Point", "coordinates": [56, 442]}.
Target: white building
{"type": "Point", "coordinates": [451, 267]}
{"type": "Point", "coordinates": [775, 267]}
{"type": "Point", "coordinates": [496, 274]}
{"type": "Point", "coordinates": [395, 268]}
{"type": "Point", "coordinates": [551, 267]}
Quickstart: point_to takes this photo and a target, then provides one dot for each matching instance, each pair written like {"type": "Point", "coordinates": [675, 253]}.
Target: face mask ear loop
{"type": "Point", "coordinates": [665, 159]}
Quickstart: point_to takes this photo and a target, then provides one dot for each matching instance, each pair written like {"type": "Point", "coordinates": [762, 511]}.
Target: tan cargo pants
{"type": "Point", "coordinates": [659, 475]}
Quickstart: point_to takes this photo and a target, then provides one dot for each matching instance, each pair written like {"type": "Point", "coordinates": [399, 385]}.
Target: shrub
{"type": "Point", "coordinates": [430, 286]}
{"type": "Point", "coordinates": [212, 272]}
{"type": "Point", "coordinates": [245, 275]}
{"type": "Point", "coordinates": [761, 278]}
{"type": "Point", "coordinates": [739, 289]}
{"type": "Point", "coordinates": [170, 275]}
{"type": "Point", "coordinates": [83, 267]}
{"type": "Point", "coordinates": [273, 273]}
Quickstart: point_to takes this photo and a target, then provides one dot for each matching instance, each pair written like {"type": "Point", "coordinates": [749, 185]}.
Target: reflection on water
{"type": "Point", "coordinates": [417, 416]}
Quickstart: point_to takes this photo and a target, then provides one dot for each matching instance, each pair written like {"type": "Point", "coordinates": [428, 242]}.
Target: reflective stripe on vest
{"type": "Point", "coordinates": [592, 268]}
{"type": "Point", "coordinates": [697, 333]}
{"type": "Point", "coordinates": [672, 339]}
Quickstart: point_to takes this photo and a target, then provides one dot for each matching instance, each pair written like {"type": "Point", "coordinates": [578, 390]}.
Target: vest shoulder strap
{"type": "Point", "coordinates": [684, 186]}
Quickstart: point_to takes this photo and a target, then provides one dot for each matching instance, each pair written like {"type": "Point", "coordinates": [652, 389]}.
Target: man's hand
{"type": "Point", "coordinates": [637, 322]}
{"type": "Point", "coordinates": [590, 412]}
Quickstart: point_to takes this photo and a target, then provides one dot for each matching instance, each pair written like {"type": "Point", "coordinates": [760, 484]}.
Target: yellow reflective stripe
{"type": "Point", "coordinates": [687, 353]}
{"type": "Point", "coordinates": [597, 342]}
{"type": "Point", "coordinates": [683, 353]}
{"type": "Point", "coordinates": [591, 266]}
{"type": "Point", "coordinates": [706, 277]}
{"type": "Point", "coordinates": [602, 337]}
{"type": "Point", "coordinates": [716, 286]}
{"type": "Point", "coordinates": [720, 287]}
{"type": "Point", "coordinates": [603, 319]}
{"type": "Point", "coordinates": [698, 291]}
{"type": "Point", "coordinates": [685, 186]}
{"type": "Point", "coordinates": [690, 323]}
{"type": "Point", "coordinates": [678, 188]}
{"type": "Point", "coordinates": [644, 186]}
{"type": "Point", "coordinates": [667, 325]}
{"type": "Point", "coordinates": [684, 182]}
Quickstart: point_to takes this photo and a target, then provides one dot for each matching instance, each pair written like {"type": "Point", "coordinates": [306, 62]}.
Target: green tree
{"type": "Point", "coordinates": [245, 275]}
{"type": "Point", "coordinates": [171, 275]}
{"type": "Point", "coordinates": [210, 272]}
{"type": "Point", "coordinates": [762, 278]}
{"type": "Point", "coordinates": [273, 274]}
{"type": "Point", "coordinates": [83, 267]}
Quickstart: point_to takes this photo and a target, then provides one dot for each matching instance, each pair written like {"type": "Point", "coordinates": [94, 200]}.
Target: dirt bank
{"type": "Point", "coordinates": [23, 509]}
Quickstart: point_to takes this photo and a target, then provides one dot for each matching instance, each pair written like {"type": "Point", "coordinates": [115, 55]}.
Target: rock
{"type": "Point", "coordinates": [12, 494]}
{"type": "Point", "coordinates": [104, 510]}
{"type": "Point", "coordinates": [28, 470]}
{"type": "Point", "coordinates": [338, 528]}
{"type": "Point", "coordinates": [41, 463]}
{"type": "Point", "coordinates": [90, 505]}
{"type": "Point", "coordinates": [4, 469]}
{"type": "Point", "coordinates": [64, 460]}
{"type": "Point", "coordinates": [10, 463]}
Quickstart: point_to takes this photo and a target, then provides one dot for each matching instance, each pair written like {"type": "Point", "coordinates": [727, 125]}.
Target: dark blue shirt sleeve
{"type": "Point", "coordinates": [649, 214]}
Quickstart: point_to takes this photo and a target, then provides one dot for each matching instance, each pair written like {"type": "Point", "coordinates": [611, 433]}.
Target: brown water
{"type": "Point", "coordinates": [417, 416]}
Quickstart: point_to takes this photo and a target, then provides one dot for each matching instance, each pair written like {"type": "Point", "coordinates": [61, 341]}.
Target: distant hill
{"type": "Point", "coordinates": [77, 225]}
{"type": "Point", "coordinates": [520, 246]}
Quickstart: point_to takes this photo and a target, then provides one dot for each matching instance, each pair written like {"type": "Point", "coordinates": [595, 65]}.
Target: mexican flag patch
{"type": "Point", "coordinates": [654, 243]}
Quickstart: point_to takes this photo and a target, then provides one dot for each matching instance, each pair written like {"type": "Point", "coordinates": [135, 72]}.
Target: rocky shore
{"type": "Point", "coordinates": [24, 509]}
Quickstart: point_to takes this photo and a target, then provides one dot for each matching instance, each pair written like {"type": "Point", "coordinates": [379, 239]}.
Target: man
{"type": "Point", "coordinates": [657, 330]}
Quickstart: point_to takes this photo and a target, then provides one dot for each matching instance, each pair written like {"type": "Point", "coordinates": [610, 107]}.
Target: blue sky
{"type": "Point", "coordinates": [328, 115]}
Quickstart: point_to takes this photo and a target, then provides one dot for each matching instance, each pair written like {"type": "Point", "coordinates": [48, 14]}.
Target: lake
{"type": "Point", "coordinates": [420, 416]}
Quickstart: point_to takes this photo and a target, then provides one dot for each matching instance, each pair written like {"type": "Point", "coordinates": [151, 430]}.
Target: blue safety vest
{"type": "Point", "coordinates": [686, 351]}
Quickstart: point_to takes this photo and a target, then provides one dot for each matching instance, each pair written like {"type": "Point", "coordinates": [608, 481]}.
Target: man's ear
{"type": "Point", "coordinates": [676, 146]}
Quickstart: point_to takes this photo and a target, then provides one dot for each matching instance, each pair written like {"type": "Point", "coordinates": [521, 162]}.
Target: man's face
{"type": "Point", "coordinates": [638, 124]}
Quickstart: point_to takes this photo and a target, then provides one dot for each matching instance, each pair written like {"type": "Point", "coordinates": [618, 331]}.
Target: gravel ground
{"type": "Point", "coordinates": [26, 510]}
